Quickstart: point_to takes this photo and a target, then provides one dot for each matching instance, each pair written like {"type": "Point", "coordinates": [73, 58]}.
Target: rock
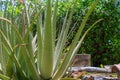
{"type": "Point", "coordinates": [98, 78]}
{"type": "Point", "coordinates": [82, 60]}
{"type": "Point", "coordinates": [109, 78]}
{"type": "Point", "coordinates": [116, 69]}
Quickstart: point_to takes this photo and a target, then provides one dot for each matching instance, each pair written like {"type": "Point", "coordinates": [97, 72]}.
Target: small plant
{"type": "Point", "coordinates": [28, 55]}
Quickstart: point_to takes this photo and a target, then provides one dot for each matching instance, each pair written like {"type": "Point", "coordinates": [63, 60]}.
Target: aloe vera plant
{"type": "Point", "coordinates": [25, 55]}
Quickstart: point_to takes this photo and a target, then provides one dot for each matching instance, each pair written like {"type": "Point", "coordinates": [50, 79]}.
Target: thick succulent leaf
{"type": "Point", "coordinates": [60, 43]}
{"type": "Point", "coordinates": [9, 66]}
{"type": "Point", "coordinates": [80, 42]}
{"type": "Point", "coordinates": [1, 18]}
{"type": "Point", "coordinates": [27, 14]}
{"type": "Point", "coordinates": [34, 45]}
{"type": "Point", "coordinates": [65, 63]}
{"type": "Point", "coordinates": [39, 41]}
{"type": "Point", "coordinates": [30, 64]}
{"type": "Point", "coordinates": [63, 38]}
{"type": "Point", "coordinates": [6, 40]}
{"type": "Point", "coordinates": [4, 77]}
{"type": "Point", "coordinates": [30, 47]}
{"type": "Point", "coordinates": [47, 55]}
{"type": "Point", "coordinates": [3, 56]}
{"type": "Point", "coordinates": [54, 20]}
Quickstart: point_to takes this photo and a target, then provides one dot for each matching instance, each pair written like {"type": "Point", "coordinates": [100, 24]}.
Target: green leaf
{"type": "Point", "coordinates": [62, 38]}
{"type": "Point", "coordinates": [67, 60]}
{"type": "Point", "coordinates": [54, 21]}
{"type": "Point", "coordinates": [4, 77]}
{"type": "Point", "coordinates": [47, 54]}
{"type": "Point", "coordinates": [30, 64]}
{"type": "Point", "coordinates": [12, 59]}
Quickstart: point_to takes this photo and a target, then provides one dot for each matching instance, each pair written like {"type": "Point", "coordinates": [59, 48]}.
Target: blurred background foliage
{"type": "Point", "coordinates": [102, 42]}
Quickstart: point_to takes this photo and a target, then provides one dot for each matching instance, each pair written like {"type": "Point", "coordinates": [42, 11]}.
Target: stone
{"type": "Point", "coordinates": [82, 60]}
{"type": "Point", "coordinates": [109, 78]}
